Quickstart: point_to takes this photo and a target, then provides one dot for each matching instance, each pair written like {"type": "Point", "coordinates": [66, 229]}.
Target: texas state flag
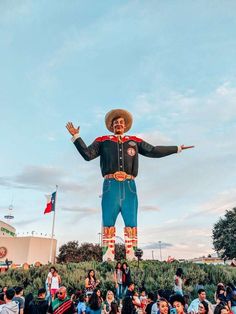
{"type": "Point", "coordinates": [51, 202]}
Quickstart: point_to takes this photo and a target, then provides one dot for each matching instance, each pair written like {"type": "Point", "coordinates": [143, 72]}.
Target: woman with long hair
{"type": "Point", "coordinates": [118, 273]}
{"type": "Point", "coordinates": [110, 299]}
{"type": "Point", "coordinates": [95, 303]}
{"type": "Point", "coordinates": [163, 306]}
{"type": "Point", "coordinates": [126, 277]}
{"type": "Point", "coordinates": [203, 307]}
{"type": "Point", "coordinates": [223, 308]}
{"type": "Point", "coordinates": [220, 294]}
{"type": "Point", "coordinates": [91, 282]}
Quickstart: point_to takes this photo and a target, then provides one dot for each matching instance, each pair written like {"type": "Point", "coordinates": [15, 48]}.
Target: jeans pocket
{"type": "Point", "coordinates": [132, 186]}
{"type": "Point", "coordinates": [106, 186]}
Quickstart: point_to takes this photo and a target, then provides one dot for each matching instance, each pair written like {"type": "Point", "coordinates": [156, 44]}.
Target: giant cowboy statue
{"type": "Point", "coordinates": [119, 166]}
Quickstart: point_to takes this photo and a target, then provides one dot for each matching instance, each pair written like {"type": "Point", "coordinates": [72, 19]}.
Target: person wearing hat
{"type": "Point", "coordinates": [119, 166]}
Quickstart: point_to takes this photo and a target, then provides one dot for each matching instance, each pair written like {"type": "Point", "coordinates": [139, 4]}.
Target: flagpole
{"type": "Point", "coordinates": [53, 226]}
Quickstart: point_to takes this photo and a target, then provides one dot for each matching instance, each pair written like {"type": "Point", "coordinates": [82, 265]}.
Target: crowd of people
{"type": "Point", "coordinates": [125, 298]}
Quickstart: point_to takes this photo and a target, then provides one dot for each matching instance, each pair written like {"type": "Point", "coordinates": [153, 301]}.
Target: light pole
{"type": "Point", "coordinates": [99, 238]}
{"type": "Point", "coordinates": [152, 254]}
{"type": "Point", "coordinates": [160, 250]}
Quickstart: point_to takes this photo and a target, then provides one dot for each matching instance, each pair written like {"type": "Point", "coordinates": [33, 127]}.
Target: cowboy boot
{"type": "Point", "coordinates": [130, 242]}
{"type": "Point", "coordinates": [108, 243]}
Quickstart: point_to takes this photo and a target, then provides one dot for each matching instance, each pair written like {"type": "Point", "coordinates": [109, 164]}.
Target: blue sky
{"type": "Point", "coordinates": [170, 63]}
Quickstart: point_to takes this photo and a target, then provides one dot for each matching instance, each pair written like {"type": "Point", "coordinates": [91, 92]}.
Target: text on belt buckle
{"type": "Point", "coordinates": [120, 176]}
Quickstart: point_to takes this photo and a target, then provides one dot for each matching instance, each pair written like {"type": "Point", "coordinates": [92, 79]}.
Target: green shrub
{"type": "Point", "coordinates": [152, 275]}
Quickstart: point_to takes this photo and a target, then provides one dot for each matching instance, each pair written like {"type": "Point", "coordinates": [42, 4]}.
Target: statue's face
{"type": "Point", "coordinates": [118, 126]}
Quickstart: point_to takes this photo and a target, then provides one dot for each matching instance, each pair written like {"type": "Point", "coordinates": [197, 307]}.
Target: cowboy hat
{"type": "Point", "coordinates": [116, 113]}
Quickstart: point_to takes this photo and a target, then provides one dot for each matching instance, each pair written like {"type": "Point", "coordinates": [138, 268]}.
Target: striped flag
{"type": "Point", "coordinates": [51, 203]}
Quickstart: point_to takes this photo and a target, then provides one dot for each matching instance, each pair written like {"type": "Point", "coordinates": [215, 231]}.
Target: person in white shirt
{"type": "Point", "coordinates": [54, 282]}
{"type": "Point", "coordinates": [10, 307]}
{"type": "Point", "coordinates": [193, 307]}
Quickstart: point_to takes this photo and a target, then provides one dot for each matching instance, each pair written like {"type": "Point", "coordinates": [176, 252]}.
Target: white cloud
{"type": "Point", "coordinates": [149, 208]}
{"type": "Point", "coordinates": [155, 137]}
{"type": "Point", "coordinates": [223, 201]}
{"type": "Point", "coordinates": [181, 109]}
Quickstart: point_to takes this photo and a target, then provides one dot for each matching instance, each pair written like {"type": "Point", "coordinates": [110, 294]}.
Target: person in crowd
{"type": "Point", "coordinates": [48, 279]}
{"type": "Point", "coordinates": [54, 283]}
{"type": "Point", "coordinates": [137, 302]}
{"type": "Point", "coordinates": [118, 274]}
{"type": "Point", "coordinates": [126, 277]}
{"type": "Point", "coordinates": [186, 301]}
{"type": "Point", "coordinates": [222, 308]}
{"type": "Point", "coordinates": [203, 308]}
{"type": "Point", "coordinates": [193, 307]}
{"type": "Point", "coordinates": [129, 302]}
{"type": "Point", "coordinates": [2, 298]}
{"type": "Point", "coordinates": [114, 308]}
{"type": "Point", "coordinates": [128, 305]}
{"type": "Point", "coordinates": [19, 299]}
{"type": "Point", "coordinates": [10, 306]}
{"type": "Point", "coordinates": [95, 303]}
{"type": "Point", "coordinates": [75, 297]}
{"type": "Point", "coordinates": [108, 302]}
{"type": "Point", "coordinates": [81, 307]}
{"type": "Point", "coordinates": [4, 289]}
{"type": "Point", "coordinates": [163, 306]}
{"type": "Point", "coordinates": [91, 282]}
{"type": "Point", "coordinates": [150, 303]}
{"type": "Point", "coordinates": [143, 300]}
{"type": "Point", "coordinates": [231, 299]}
{"type": "Point", "coordinates": [62, 304]}
{"type": "Point", "coordinates": [2, 293]}
{"type": "Point", "coordinates": [130, 290]}
{"type": "Point", "coordinates": [99, 294]}
{"type": "Point", "coordinates": [39, 305]}
{"type": "Point", "coordinates": [177, 302]}
{"type": "Point", "coordinates": [28, 298]}
{"type": "Point", "coordinates": [178, 281]}
{"type": "Point", "coordinates": [160, 294]}
{"type": "Point", "coordinates": [220, 294]}
{"type": "Point", "coordinates": [225, 310]}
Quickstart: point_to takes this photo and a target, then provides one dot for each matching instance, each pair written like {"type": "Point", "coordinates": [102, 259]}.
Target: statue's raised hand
{"type": "Point", "coordinates": [71, 129]}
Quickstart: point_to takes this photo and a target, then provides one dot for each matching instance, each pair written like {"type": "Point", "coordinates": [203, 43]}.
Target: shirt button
{"type": "Point", "coordinates": [121, 166]}
{"type": "Point", "coordinates": [120, 157]}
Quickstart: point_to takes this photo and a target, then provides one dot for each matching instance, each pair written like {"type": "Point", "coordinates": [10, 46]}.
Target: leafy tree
{"type": "Point", "coordinates": [119, 251]}
{"type": "Point", "coordinates": [224, 235]}
{"type": "Point", "coordinates": [69, 252]}
{"type": "Point", "coordinates": [72, 252]}
{"type": "Point", "coordinates": [90, 252]}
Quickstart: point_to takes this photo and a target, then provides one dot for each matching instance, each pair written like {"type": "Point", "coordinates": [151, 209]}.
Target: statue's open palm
{"type": "Point", "coordinates": [71, 129]}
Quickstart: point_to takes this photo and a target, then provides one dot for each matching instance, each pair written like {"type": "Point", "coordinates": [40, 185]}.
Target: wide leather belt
{"type": "Point", "coordinates": [119, 176]}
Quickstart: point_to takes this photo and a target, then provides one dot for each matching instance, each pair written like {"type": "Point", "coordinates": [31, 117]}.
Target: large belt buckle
{"type": "Point", "coordinates": [120, 176]}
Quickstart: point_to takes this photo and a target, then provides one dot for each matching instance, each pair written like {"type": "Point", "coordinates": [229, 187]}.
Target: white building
{"type": "Point", "coordinates": [29, 249]}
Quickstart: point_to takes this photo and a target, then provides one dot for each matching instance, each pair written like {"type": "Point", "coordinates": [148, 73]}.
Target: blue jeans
{"type": "Point", "coordinates": [125, 290]}
{"type": "Point", "coordinates": [119, 291]}
{"type": "Point", "coordinates": [119, 197]}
